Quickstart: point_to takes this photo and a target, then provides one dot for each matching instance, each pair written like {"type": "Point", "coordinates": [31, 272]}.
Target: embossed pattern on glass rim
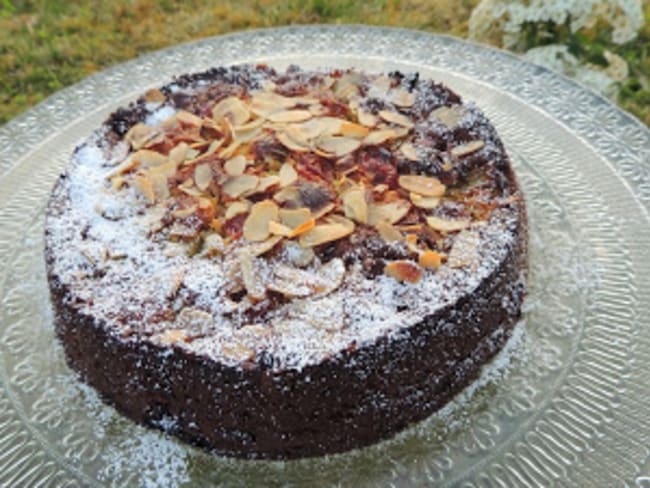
{"type": "Point", "coordinates": [621, 142]}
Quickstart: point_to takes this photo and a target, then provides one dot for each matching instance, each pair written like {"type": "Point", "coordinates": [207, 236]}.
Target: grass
{"type": "Point", "coordinates": [46, 45]}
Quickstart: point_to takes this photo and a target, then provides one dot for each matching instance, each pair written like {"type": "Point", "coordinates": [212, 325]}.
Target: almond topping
{"type": "Point", "coordinates": [402, 98]}
{"type": "Point", "coordinates": [290, 116]}
{"type": "Point", "coordinates": [237, 351]}
{"type": "Point", "coordinates": [388, 232]}
{"type": "Point", "coordinates": [235, 166]}
{"type": "Point", "coordinates": [146, 158]}
{"type": "Point", "coordinates": [323, 233]}
{"type": "Point", "coordinates": [396, 118]}
{"type": "Point", "coordinates": [409, 151]}
{"type": "Point", "coordinates": [294, 217]}
{"type": "Point", "coordinates": [256, 225]}
{"type": "Point", "coordinates": [403, 271]}
{"type": "Point", "coordinates": [380, 136]}
{"type": "Point", "coordinates": [338, 145]}
{"type": "Point", "coordinates": [424, 185]}
{"type": "Point", "coordinates": [144, 186]}
{"type": "Point", "coordinates": [141, 135]}
{"type": "Point", "coordinates": [391, 212]}
{"type": "Point", "coordinates": [444, 225]}
{"type": "Point", "coordinates": [236, 208]}
{"type": "Point", "coordinates": [278, 229]}
{"type": "Point", "coordinates": [171, 336]}
{"type": "Point", "coordinates": [350, 129]}
{"type": "Point", "coordinates": [287, 175]}
{"type": "Point", "coordinates": [366, 119]}
{"type": "Point", "coordinates": [424, 202]}
{"type": "Point", "coordinates": [467, 148]}
{"type": "Point", "coordinates": [355, 206]}
{"type": "Point", "coordinates": [449, 116]}
{"type": "Point", "coordinates": [430, 259]}
{"type": "Point", "coordinates": [178, 153]}
{"type": "Point", "coordinates": [233, 109]}
{"type": "Point", "coordinates": [203, 176]}
{"type": "Point", "coordinates": [290, 142]}
{"type": "Point", "coordinates": [267, 182]}
{"type": "Point", "coordinates": [260, 248]}
{"type": "Point", "coordinates": [188, 118]}
{"type": "Point", "coordinates": [239, 185]}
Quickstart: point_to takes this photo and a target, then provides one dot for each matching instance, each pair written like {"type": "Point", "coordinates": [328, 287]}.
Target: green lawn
{"type": "Point", "coordinates": [48, 44]}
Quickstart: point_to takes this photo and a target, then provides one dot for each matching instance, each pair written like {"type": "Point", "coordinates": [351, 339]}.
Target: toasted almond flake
{"type": "Point", "coordinates": [388, 232]}
{"type": "Point", "coordinates": [278, 229]}
{"type": "Point", "coordinates": [409, 151]}
{"type": "Point", "coordinates": [410, 227]}
{"type": "Point", "coordinates": [350, 129]}
{"type": "Point", "coordinates": [321, 212]}
{"type": "Point", "coordinates": [293, 282]}
{"type": "Point", "coordinates": [291, 143]}
{"type": "Point", "coordinates": [391, 212]}
{"type": "Point", "coordinates": [228, 151]}
{"type": "Point", "coordinates": [178, 153]}
{"type": "Point", "coordinates": [203, 176]}
{"type": "Point", "coordinates": [172, 336]}
{"type": "Point", "coordinates": [214, 145]}
{"type": "Point", "coordinates": [190, 156]}
{"type": "Point", "coordinates": [159, 185]}
{"type": "Point", "coordinates": [267, 182]}
{"type": "Point", "coordinates": [250, 275]}
{"type": "Point", "coordinates": [146, 158]}
{"type": "Point", "coordinates": [297, 255]}
{"type": "Point", "coordinates": [423, 185]}
{"type": "Point", "coordinates": [355, 206]}
{"type": "Point", "coordinates": [403, 271]}
{"type": "Point", "coordinates": [124, 167]}
{"type": "Point", "coordinates": [380, 86]}
{"type": "Point", "coordinates": [367, 119]}
{"type": "Point", "coordinates": [445, 225]}
{"type": "Point", "coordinates": [233, 109]}
{"type": "Point", "coordinates": [141, 135]}
{"type": "Point", "coordinates": [290, 116]}
{"type": "Point", "coordinates": [288, 194]}
{"type": "Point", "coordinates": [288, 175]}
{"type": "Point", "coordinates": [467, 148]}
{"type": "Point", "coordinates": [401, 98]}
{"type": "Point", "coordinates": [252, 125]}
{"type": "Point", "coordinates": [235, 166]}
{"type": "Point", "coordinates": [213, 245]}
{"type": "Point", "coordinates": [237, 186]}
{"type": "Point", "coordinates": [304, 227]}
{"type": "Point", "coordinates": [293, 218]}
{"type": "Point", "coordinates": [271, 99]}
{"type": "Point", "coordinates": [338, 145]}
{"type": "Point", "coordinates": [430, 259]}
{"type": "Point", "coordinates": [256, 225]}
{"type": "Point", "coordinates": [166, 169]}
{"type": "Point", "coordinates": [449, 116]}
{"type": "Point", "coordinates": [154, 96]}
{"type": "Point", "coordinates": [317, 110]}
{"type": "Point", "coordinates": [185, 212]}
{"type": "Point", "coordinates": [118, 182]}
{"type": "Point", "coordinates": [237, 208]}
{"type": "Point", "coordinates": [191, 190]}
{"type": "Point", "coordinates": [145, 187]}
{"type": "Point", "coordinates": [382, 135]}
{"type": "Point", "coordinates": [424, 202]}
{"type": "Point", "coordinates": [465, 250]}
{"type": "Point", "coordinates": [323, 233]}
{"type": "Point", "coordinates": [187, 118]}
{"type": "Point", "coordinates": [260, 248]}
{"type": "Point", "coordinates": [340, 220]}
{"type": "Point", "coordinates": [396, 118]}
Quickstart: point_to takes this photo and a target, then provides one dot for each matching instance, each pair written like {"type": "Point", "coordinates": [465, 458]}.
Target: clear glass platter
{"type": "Point", "coordinates": [567, 404]}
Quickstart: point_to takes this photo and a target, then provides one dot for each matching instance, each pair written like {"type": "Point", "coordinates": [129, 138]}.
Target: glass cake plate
{"type": "Point", "coordinates": [567, 403]}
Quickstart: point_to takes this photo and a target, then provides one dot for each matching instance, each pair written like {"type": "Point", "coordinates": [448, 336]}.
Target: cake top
{"type": "Point", "coordinates": [246, 213]}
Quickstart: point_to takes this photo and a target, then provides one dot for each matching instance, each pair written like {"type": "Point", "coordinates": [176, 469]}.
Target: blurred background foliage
{"type": "Point", "coordinates": [46, 45]}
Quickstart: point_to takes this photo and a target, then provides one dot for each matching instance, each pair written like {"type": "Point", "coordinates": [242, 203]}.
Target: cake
{"type": "Point", "coordinates": [283, 264]}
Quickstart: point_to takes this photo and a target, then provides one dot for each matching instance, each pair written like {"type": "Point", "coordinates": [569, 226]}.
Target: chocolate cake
{"type": "Point", "coordinates": [286, 264]}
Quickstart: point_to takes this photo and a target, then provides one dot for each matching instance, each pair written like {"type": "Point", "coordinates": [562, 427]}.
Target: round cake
{"type": "Point", "coordinates": [286, 264]}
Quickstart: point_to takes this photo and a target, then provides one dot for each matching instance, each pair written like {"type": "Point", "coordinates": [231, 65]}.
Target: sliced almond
{"type": "Point", "coordinates": [321, 212]}
{"type": "Point", "coordinates": [141, 135]}
{"type": "Point", "coordinates": [256, 225]}
{"type": "Point", "coordinates": [350, 129]}
{"type": "Point", "coordinates": [430, 259]}
{"type": "Point", "coordinates": [160, 186]}
{"type": "Point", "coordinates": [278, 229]}
{"type": "Point", "coordinates": [391, 212]}
{"type": "Point", "coordinates": [293, 282]}
{"type": "Point", "coordinates": [235, 166]}
{"type": "Point", "coordinates": [403, 271]}
{"type": "Point", "coordinates": [424, 185]}
{"type": "Point", "coordinates": [267, 182]}
{"type": "Point", "coordinates": [409, 151]}
{"type": "Point", "coordinates": [288, 194]}
{"type": "Point", "coordinates": [237, 351]}
{"type": "Point", "coordinates": [290, 116]}
{"type": "Point", "coordinates": [388, 232]}
{"type": "Point", "coordinates": [380, 136]}
{"type": "Point", "coordinates": [250, 275]}
{"type": "Point", "coordinates": [467, 148]}
{"type": "Point", "coordinates": [237, 186]}
{"type": "Point", "coordinates": [188, 118]}
{"type": "Point", "coordinates": [145, 187]}
{"type": "Point", "coordinates": [233, 109]}
{"type": "Point", "coordinates": [424, 202]}
{"type": "Point", "coordinates": [290, 143]}
{"type": "Point", "coordinates": [145, 158]}
{"type": "Point", "coordinates": [449, 116]}
{"type": "Point", "coordinates": [396, 118]}
{"type": "Point", "coordinates": [260, 248]}
{"type": "Point", "coordinates": [178, 153]}
{"type": "Point", "coordinates": [294, 217]}
{"type": "Point", "coordinates": [172, 336]}
{"type": "Point", "coordinates": [323, 233]}
{"type": "Point", "coordinates": [340, 220]}
{"type": "Point", "coordinates": [338, 145]}
{"type": "Point", "coordinates": [401, 98]}
{"type": "Point", "coordinates": [355, 206]}
{"type": "Point", "coordinates": [366, 118]}
{"type": "Point", "coordinates": [203, 176]}
{"type": "Point", "coordinates": [287, 174]}
{"type": "Point", "coordinates": [445, 225]}
{"type": "Point", "coordinates": [185, 212]}
{"type": "Point", "coordinates": [237, 208]}
{"type": "Point", "coordinates": [213, 245]}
